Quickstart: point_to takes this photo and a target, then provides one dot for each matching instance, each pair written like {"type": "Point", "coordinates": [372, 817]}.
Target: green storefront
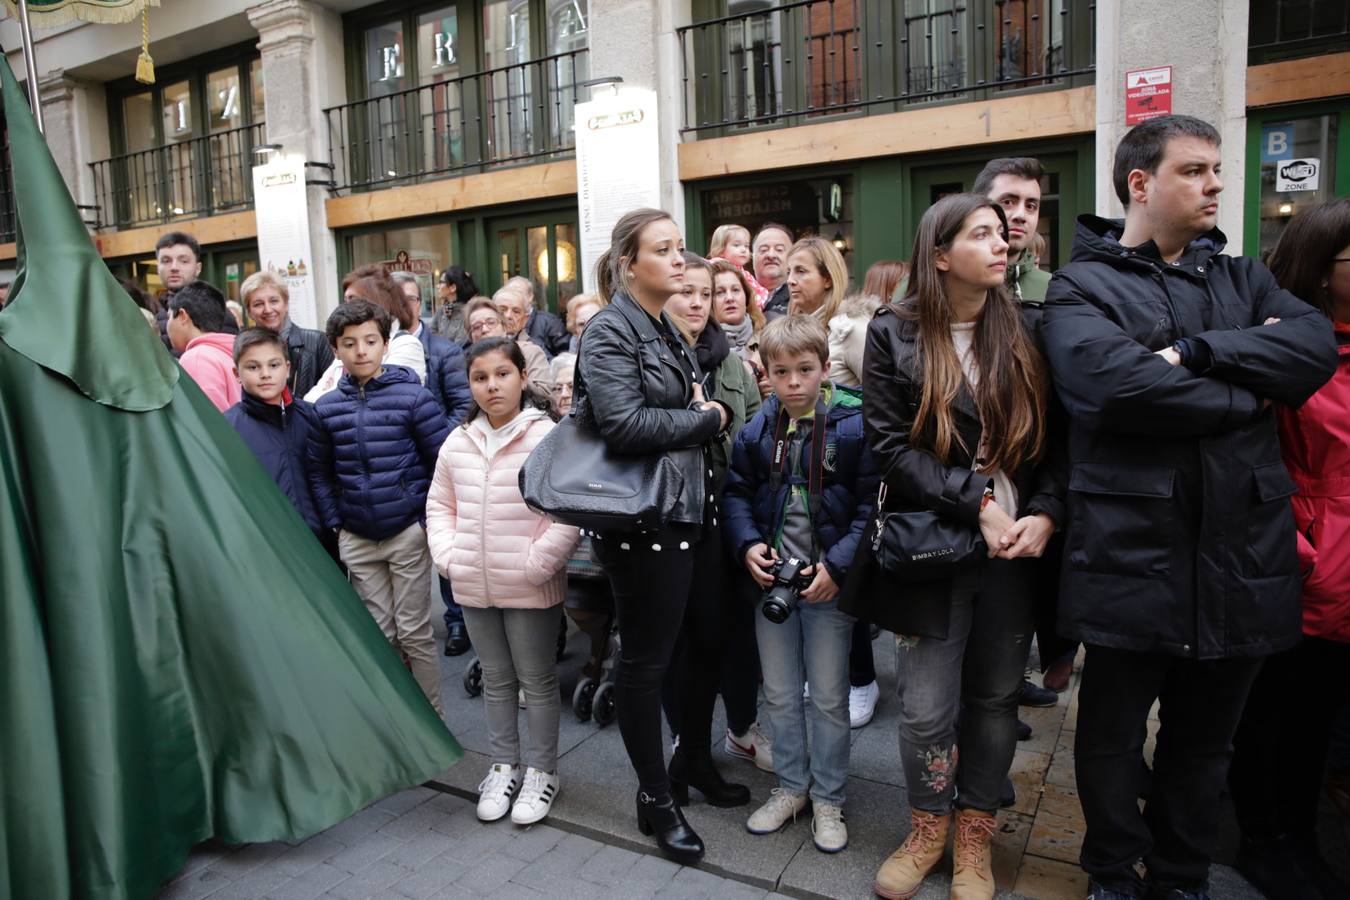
{"type": "Point", "coordinates": [870, 209]}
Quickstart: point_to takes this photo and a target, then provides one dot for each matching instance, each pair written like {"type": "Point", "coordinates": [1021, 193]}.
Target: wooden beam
{"type": "Point", "coordinates": [1019, 118]}
{"type": "Point", "coordinates": [207, 230]}
{"type": "Point", "coordinates": [1293, 80]}
{"type": "Point", "coordinates": [551, 179]}
{"type": "Point", "coordinates": [9, 251]}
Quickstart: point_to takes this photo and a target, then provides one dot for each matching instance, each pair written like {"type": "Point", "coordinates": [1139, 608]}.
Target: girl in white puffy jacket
{"type": "Point", "coordinates": [507, 564]}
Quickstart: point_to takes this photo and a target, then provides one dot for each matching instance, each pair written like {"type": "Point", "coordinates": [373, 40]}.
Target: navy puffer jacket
{"type": "Point", "coordinates": [447, 376]}
{"type": "Point", "coordinates": [279, 436]}
{"type": "Point", "coordinates": [372, 453]}
{"type": "Point", "coordinates": [754, 511]}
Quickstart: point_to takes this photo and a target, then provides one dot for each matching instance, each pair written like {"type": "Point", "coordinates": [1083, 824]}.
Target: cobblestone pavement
{"type": "Point", "coordinates": [425, 844]}
{"type": "Point", "coordinates": [428, 843]}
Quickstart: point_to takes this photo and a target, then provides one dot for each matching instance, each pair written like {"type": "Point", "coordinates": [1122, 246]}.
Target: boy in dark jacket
{"type": "Point", "coordinates": [799, 492]}
{"type": "Point", "coordinates": [371, 455]}
{"type": "Point", "coordinates": [273, 424]}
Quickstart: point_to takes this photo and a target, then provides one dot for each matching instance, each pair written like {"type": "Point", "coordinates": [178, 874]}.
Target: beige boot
{"type": "Point", "coordinates": [972, 863]}
{"type": "Point", "coordinates": [901, 875]}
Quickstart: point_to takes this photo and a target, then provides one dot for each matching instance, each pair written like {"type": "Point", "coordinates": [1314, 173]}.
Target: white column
{"type": "Point", "coordinates": [1205, 43]}
{"type": "Point", "coordinates": [302, 62]}
{"type": "Point", "coordinates": [636, 40]}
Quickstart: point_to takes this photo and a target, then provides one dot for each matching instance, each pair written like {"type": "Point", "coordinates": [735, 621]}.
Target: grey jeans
{"type": "Point", "coordinates": [517, 648]}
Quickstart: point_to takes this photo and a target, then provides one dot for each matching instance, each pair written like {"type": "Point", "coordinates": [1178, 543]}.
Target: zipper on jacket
{"type": "Point", "coordinates": [365, 458]}
{"type": "Point", "coordinates": [482, 536]}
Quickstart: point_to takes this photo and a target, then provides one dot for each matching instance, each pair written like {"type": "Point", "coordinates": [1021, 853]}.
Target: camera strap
{"type": "Point", "coordinates": [781, 462]}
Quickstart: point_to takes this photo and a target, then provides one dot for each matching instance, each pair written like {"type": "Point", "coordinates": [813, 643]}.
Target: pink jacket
{"type": "Point", "coordinates": [209, 360]}
{"type": "Point", "coordinates": [495, 550]}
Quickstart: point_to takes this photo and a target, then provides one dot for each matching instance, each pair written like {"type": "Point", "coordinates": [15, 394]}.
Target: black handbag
{"type": "Point", "coordinates": [914, 546]}
{"type": "Point", "coordinates": [572, 476]}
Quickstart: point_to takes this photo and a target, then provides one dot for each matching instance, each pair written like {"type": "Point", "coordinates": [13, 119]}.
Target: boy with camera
{"type": "Point", "coordinates": [798, 497]}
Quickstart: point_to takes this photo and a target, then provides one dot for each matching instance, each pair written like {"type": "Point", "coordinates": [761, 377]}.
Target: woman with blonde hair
{"type": "Point", "coordinates": [817, 279]}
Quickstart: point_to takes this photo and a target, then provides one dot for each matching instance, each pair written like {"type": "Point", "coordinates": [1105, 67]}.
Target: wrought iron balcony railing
{"type": "Point", "coordinates": [196, 177]}
{"type": "Point", "coordinates": [790, 63]}
{"type": "Point", "coordinates": [499, 116]}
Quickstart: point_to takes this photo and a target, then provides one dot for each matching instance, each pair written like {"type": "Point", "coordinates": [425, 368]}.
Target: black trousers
{"type": "Point", "coordinates": [692, 683]}
{"type": "Point", "coordinates": [1280, 749]}
{"type": "Point", "coordinates": [651, 575]}
{"type": "Point", "coordinates": [862, 669]}
{"type": "Point", "coordinates": [740, 660]}
{"type": "Point", "coordinates": [1175, 835]}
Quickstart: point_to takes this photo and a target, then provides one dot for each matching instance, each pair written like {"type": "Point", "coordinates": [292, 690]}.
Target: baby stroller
{"type": "Point", "coordinates": [590, 604]}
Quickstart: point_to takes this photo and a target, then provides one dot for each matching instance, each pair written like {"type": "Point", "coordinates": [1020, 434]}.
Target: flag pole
{"type": "Point", "coordinates": [29, 66]}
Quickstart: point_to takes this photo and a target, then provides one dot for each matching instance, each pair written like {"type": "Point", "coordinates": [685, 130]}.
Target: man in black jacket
{"type": "Point", "coordinates": [1180, 570]}
{"type": "Point", "coordinates": [770, 255]}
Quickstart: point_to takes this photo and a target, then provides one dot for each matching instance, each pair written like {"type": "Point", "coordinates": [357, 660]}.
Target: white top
{"type": "Point", "coordinates": [963, 336]}
{"type": "Point", "coordinates": [404, 350]}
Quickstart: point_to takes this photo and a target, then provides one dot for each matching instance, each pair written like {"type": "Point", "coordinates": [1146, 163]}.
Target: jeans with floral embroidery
{"type": "Point", "coordinates": [979, 666]}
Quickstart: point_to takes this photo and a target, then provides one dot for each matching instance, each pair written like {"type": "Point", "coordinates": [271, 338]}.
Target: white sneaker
{"type": "Point", "coordinates": [494, 792]}
{"type": "Point", "coordinates": [536, 797]}
{"type": "Point", "coordinates": [828, 829]}
{"type": "Point", "coordinates": [862, 704]}
{"type": "Point", "coordinates": [754, 745]}
{"type": "Point", "coordinates": [783, 807]}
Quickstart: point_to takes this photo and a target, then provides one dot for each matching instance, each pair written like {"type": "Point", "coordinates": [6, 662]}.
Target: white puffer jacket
{"type": "Point", "coordinates": [495, 550]}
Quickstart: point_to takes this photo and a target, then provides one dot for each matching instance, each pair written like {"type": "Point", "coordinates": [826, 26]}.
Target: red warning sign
{"type": "Point", "coordinates": [1148, 94]}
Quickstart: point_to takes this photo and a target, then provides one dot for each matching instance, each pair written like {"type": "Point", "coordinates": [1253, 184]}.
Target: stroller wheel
{"type": "Point", "coordinates": [602, 707]}
{"type": "Point", "coordinates": [583, 697]}
{"type": "Point", "coordinates": [473, 678]}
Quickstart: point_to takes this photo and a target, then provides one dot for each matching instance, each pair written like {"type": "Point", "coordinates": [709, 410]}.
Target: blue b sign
{"type": "Point", "coordinates": [1277, 141]}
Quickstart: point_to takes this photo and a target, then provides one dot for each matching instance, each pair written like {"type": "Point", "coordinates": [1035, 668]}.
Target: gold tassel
{"type": "Point", "coordinates": [145, 66]}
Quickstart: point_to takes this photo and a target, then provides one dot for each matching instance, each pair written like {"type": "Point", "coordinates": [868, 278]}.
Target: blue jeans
{"type": "Point", "coordinates": [453, 612]}
{"type": "Point", "coordinates": [811, 646]}
{"type": "Point", "coordinates": [980, 665]}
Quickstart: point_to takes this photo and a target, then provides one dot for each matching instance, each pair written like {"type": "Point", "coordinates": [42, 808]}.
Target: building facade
{"type": "Point", "coordinates": [440, 132]}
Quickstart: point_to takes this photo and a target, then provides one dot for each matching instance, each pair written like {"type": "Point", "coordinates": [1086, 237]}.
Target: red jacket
{"type": "Point", "coordinates": [1315, 442]}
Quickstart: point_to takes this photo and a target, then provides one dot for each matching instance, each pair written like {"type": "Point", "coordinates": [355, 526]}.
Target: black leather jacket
{"type": "Point", "coordinates": [638, 393]}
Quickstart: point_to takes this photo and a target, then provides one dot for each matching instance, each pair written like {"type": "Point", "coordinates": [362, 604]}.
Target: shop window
{"type": "Point", "coordinates": [822, 206]}
{"type": "Point", "coordinates": [423, 250]}
{"type": "Point", "coordinates": [1298, 162]}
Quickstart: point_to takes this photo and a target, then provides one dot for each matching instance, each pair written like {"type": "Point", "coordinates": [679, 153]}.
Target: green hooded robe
{"type": "Point", "coordinates": [180, 658]}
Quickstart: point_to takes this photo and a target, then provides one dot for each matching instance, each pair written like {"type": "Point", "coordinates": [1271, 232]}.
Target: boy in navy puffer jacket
{"type": "Point", "coordinates": [371, 455]}
{"type": "Point", "coordinates": [273, 424]}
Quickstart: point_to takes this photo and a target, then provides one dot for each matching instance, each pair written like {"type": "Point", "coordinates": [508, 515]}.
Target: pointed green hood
{"type": "Point", "coordinates": [114, 358]}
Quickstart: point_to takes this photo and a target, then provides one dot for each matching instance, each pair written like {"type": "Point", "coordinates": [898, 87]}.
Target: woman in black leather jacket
{"type": "Point", "coordinates": [640, 384]}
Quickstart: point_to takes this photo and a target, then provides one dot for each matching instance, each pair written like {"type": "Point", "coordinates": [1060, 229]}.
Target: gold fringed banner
{"type": "Point", "coordinates": [51, 13]}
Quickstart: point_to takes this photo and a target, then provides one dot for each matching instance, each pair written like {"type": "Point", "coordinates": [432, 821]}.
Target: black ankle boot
{"type": "Point", "coordinates": [676, 839]}
{"type": "Point", "coordinates": [697, 770]}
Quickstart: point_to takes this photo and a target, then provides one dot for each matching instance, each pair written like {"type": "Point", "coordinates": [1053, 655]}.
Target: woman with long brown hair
{"type": "Point", "coordinates": [640, 385]}
{"type": "Point", "coordinates": [954, 408]}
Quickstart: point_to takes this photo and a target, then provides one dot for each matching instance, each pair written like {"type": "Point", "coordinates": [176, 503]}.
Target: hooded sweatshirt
{"type": "Point", "coordinates": [209, 361]}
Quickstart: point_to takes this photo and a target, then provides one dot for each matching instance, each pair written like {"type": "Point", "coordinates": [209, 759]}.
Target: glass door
{"type": "Point", "coordinates": [1296, 158]}
{"type": "Point", "coordinates": [542, 248]}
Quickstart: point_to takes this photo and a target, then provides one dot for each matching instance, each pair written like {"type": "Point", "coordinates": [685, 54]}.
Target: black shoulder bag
{"type": "Point", "coordinates": [915, 546]}
{"type": "Point", "coordinates": [573, 476]}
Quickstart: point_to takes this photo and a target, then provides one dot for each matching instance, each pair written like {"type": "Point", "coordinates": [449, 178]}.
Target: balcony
{"type": "Point", "coordinates": [1289, 29]}
{"type": "Point", "coordinates": [497, 117]}
{"type": "Point", "coordinates": [196, 177]}
{"type": "Point", "coordinates": [805, 60]}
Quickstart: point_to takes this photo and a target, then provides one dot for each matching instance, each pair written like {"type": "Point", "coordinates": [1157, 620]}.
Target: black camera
{"type": "Point", "coordinates": [785, 593]}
